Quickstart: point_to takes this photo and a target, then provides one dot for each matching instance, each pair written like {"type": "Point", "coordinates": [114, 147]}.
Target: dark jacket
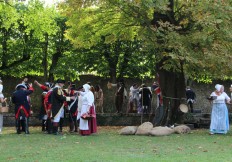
{"type": "Point", "coordinates": [146, 96]}
{"type": "Point", "coordinates": [57, 100]}
{"type": "Point", "coordinates": [190, 94]}
{"type": "Point", "coordinates": [20, 99]}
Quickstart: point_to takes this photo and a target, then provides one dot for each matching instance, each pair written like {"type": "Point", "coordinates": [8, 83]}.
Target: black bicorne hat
{"type": "Point", "coordinates": [79, 88]}
{"type": "Point", "coordinates": [19, 86]}
{"type": "Point", "coordinates": [48, 84]}
{"type": "Point", "coordinates": [73, 86]}
{"type": "Point", "coordinates": [60, 81]}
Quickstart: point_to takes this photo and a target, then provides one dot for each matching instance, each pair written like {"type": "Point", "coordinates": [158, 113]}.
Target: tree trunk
{"type": "Point", "coordinates": [172, 83]}
{"type": "Point", "coordinates": [55, 59]}
{"type": "Point", "coordinates": [45, 51]}
{"type": "Point", "coordinates": [4, 46]}
{"type": "Point", "coordinates": [112, 62]}
{"type": "Point", "coordinates": [173, 90]}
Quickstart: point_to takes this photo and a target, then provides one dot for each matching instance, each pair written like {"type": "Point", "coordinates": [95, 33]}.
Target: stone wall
{"type": "Point", "coordinates": [102, 119]}
{"type": "Point", "coordinates": [202, 91]}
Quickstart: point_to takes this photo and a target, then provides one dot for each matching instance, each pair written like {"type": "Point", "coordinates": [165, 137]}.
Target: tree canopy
{"type": "Point", "coordinates": [178, 39]}
{"type": "Point", "coordinates": [193, 34]}
{"type": "Point", "coordinates": [182, 38]}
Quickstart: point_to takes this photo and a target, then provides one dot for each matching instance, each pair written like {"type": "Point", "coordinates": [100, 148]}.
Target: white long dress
{"type": "Point", "coordinates": [1, 89]}
{"type": "Point", "coordinates": [87, 101]}
{"type": "Point", "coordinates": [79, 107]}
{"type": "Point", "coordinates": [219, 116]}
{"type": "Point", "coordinates": [1, 115]}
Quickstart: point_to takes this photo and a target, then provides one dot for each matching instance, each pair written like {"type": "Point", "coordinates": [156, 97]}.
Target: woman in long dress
{"type": "Point", "coordinates": [219, 116]}
{"type": "Point", "coordinates": [1, 100]}
{"type": "Point", "coordinates": [98, 94]}
{"type": "Point", "coordinates": [88, 127]}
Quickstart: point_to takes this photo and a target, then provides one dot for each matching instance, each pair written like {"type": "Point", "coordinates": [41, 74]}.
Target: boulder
{"type": "Point", "coordinates": [129, 130]}
{"type": "Point", "coordinates": [182, 129]}
{"type": "Point", "coordinates": [161, 131]}
{"type": "Point", "coordinates": [144, 129]}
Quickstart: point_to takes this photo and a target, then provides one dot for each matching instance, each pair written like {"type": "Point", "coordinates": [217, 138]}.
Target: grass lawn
{"type": "Point", "coordinates": [108, 146]}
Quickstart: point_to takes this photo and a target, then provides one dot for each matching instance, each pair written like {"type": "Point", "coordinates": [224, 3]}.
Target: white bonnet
{"type": "Point", "coordinates": [218, 87]}
{"type": "Point", "coordinates": [86, 87]}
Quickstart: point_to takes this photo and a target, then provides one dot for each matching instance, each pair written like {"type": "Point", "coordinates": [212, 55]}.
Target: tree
{"type": "Point", "coordinates": [31, 35]}
{"type": "Point", "coordinates": [187, 37]}
{"type": "Point", "coordinates": [98, 29]}
{"type": "Point", "coordinates": [21, 31]}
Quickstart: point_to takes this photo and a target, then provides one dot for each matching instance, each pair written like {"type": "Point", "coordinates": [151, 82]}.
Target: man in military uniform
{"type": "Point", "coordinates": [43, 113]}
{"type": "Point", "coordinates": [57, 100]}
{"type": "Point", "coordinates": [72, 107]}
{"type": "Point", "coordinates": [22, 106]}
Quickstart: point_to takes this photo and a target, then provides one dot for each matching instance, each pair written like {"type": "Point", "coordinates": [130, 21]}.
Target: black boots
{"type": "Point", "coordinates": [55, 128]}
{"type": "Point", "coordinates": [61, 124]}
{"type": "Point", "coordinates": [43, 125]}
{"type": "Point", "coordinates": [49, 126]}
{"type": "Point", "coordinates": [17, 125]}
{"type": "Point", "coordinates": [24, 124]}
{"type": "Point", "coordinates": [75, 126]}
{"type": "Point", "coordinates": [71, 127]}
{"type": "Point", "coordinates": [27, 126]}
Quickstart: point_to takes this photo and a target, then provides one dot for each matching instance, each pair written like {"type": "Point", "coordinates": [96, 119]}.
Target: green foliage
{"type": "Point", "coordinates": [111, 35]}
{"type": "Point", "coordinates": [117, 37]}
{"type": "Point", "coordinates": [192, 34]}
{"type": "Point", "coordinates": [23, 31]}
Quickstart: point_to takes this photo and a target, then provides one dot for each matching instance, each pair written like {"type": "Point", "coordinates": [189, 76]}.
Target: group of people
{"type": "Point", "coordinates": [219, 123]}
{"type": "Point", "coordinates": [140, 97]}
{"type": "Point", "coordinates": [82, 103]}
{"type": "Point", "coordinates": [56, 102]}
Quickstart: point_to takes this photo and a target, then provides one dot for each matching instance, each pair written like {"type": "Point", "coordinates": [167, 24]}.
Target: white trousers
{"type": "Point", "coordinates": [59, 115]}
{"type": "Point", "coordinates": [45, 117]}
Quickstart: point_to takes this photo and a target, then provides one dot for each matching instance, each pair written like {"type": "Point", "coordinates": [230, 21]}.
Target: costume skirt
{"type": "Point", "coordinates": [219, 118]}
{"type": "Point", "coordinates": [88, 127]}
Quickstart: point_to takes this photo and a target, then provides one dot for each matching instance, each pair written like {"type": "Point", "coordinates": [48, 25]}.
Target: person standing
{"type": "Point", "coordinates": [57, 104]}
{"type": "Point", "coordinates": [98, 94]}
{"type": "Point", "coordinates": [157, 91]}
{"type": "Point", "coordinates": [43, 115]}
{"type": "Point", "coordinates": [2, 99]}
{"type": "Point", "coordinates": [48, 107]}
{"type": "Point", "coordinates": [145, 99]}
{"type": "Point", "coordinates": [133, 103]}
{"type": "Point", "coordinates": [120, 94]}
{"type": "Point", "coordinates": [72, 107]}
{"type": "Point", "coordinates": [219, 115]}
{"type": "Point", "coordinates": [88, 127]}
{"type": "Point", "coordinates": [191, 97]}
{"type": "Point", "coordinates": [230, 90]}
{"type": "Point", "coordinates": [79, 104]}
{"type": "Point", "coordinates": [22, 106]}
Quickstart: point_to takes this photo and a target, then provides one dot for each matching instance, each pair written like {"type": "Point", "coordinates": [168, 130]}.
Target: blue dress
{"type": "Point", "coordinates": [219, 116]}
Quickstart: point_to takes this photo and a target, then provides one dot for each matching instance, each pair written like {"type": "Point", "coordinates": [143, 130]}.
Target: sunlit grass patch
{"type": "Point", "coordinates": [108, 145]}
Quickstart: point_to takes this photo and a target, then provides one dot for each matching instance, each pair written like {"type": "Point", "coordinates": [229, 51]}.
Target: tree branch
{"type": "Point", "coordinates": [15, 63]}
